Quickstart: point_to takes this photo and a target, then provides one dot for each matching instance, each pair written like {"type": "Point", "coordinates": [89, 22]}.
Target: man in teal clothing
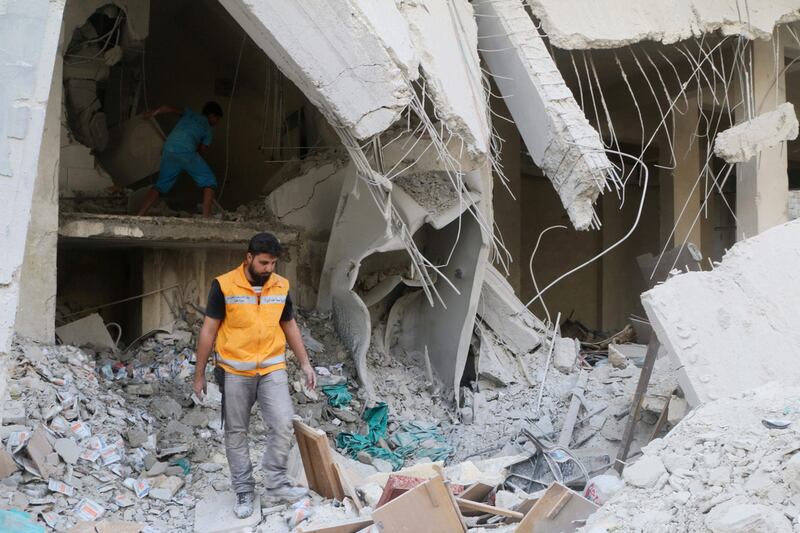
{"type": "Point", "coordinates": [183, 150]}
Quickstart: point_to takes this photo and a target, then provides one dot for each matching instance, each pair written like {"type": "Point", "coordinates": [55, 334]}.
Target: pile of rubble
{"type": "Point", "coordinates": [731, 466]}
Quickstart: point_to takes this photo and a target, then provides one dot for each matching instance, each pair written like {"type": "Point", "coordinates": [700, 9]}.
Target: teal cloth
{"type": "Point", "coordinates": [338, 396]}
{"type": "Point", "coordinates": [377, 418]}
{"type": "Point", "coordinates": [14, 521]}
{"type": "Point", "coordinates": [408, 440]}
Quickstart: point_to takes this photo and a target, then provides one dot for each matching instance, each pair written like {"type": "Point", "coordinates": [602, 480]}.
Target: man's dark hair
{"type": "Point", "coordinates": [212, 108]}
{"type": "Point", "coordinates": [265, 243]}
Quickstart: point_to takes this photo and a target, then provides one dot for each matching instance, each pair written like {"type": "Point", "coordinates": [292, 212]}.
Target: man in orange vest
{"type": "Point", "coordinates": [251, 316]}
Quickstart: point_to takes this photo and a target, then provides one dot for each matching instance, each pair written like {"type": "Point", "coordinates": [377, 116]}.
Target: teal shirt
{"type": "Point", "coordinates": [191, 131]}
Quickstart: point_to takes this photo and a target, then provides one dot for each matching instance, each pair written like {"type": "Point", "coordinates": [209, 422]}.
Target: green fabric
{"type": "Point", "coordinates": [377, 418]}
{"type": "Point", "coordinates": [421, 440]}
{"type": "Point", "coordinates": [183, 462]}
{"type": "Point", "coordinates": [412, 439]}
{"type": "Point", "coordinates": [338, 396]}
{"type": "Point", "coordinates": [15, 521]}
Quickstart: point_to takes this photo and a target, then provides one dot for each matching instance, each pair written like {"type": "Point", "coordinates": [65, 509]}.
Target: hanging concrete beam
{"type": "Point", "coordinates": [559, 138]}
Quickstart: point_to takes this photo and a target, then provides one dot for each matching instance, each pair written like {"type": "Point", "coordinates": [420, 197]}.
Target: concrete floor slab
{"type": "Point", "coordinates": [214, 514]}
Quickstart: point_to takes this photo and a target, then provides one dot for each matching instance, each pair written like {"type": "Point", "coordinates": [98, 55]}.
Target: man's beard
{"type": "Point", "coordinates": [258, 280]}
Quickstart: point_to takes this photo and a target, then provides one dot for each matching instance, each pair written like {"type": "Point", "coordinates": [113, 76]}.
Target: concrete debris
{"type": "Point", "coordinates": [718, 470]}
{"type": "Point", "coordinates": [701, 317]}
{"type": "Point", "coordinates": [87, 331]}
{"type": "Point", "coordinates": [557, 134]}
{"type": "Point", "coordinates": [744, 141]}
{"type": "Point", "coordinates": [667, 23]}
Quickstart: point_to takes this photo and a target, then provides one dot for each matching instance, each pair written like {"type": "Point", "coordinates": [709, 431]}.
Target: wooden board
{"type": "Point", "coordinates": [428, 508]}
{"type": "Point", "coordinates": [317, 461]}
{"type": "Point", "coordinates": [347, 487]}
{"type": "Point", "coordinates": [351, 526]}
{"type": "Point", "coordinates": [559, 510]}
{"type": "Point", "coordinates": [477, 492]}
{"type": "Point", "coordinates": [485, 508]}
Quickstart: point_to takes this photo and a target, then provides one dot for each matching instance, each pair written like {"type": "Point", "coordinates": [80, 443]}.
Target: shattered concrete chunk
{"type": "Point", "coordinates": [743, 141]}
{"type": "Point", "coordinates": [730, 517]}
{"type": "Point", "coordinates": [645, 472]}
{"type": "Point", "coordinates": [733, 328]}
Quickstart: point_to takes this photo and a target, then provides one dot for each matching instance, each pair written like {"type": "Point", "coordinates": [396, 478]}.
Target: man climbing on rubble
{"type": "Point", "coordinates": [184, 149]}
{"type": "Point", "coordinates": [251, 316]}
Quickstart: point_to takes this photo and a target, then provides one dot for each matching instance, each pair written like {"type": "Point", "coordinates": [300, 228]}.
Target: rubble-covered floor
{"type": "Point", "coordinates": [121, 433]}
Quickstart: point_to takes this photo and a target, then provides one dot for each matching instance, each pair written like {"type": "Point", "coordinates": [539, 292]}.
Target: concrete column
{"type": "Point", "coordinates": [29, 36]}
{"type": "Point", "coordinates": [762, 184]}
{"type": "Point", "coordinates": [36, 311]}
{"type": "Point", "coordinates": [686, 197]}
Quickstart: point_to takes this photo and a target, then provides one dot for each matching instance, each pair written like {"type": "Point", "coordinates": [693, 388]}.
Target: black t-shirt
{"type": "Point", "coordinates": [216, 303]}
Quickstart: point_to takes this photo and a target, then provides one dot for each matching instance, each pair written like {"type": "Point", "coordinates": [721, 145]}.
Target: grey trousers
{"type": "Point", "coordinates": [275, 403]}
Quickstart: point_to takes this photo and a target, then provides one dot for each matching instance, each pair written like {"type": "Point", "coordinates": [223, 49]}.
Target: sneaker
{"type": "Point", "coordinates": [286, 492]}
{"type": "Point", "coordinates": [244, 505]}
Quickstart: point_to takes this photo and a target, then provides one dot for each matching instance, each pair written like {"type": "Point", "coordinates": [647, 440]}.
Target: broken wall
{"type": "Point", "coordinates": [29, 36]}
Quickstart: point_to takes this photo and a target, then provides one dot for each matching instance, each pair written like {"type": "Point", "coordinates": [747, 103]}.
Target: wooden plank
{"type": "Point", "coordinates": [317, 461]}
{"type": "Point", "coordinates": [428, 508]}
{"type": "Point", "coordinates": [662, 419]}
{"type": "Point", "coordinates": [559, 510]}
{"type": "Point", "coordinates": [351, 526]}
{"type": "Point", "coordinates": [347, 487]}
{"type": "Point", "coordinates": [636, 406]}
{"type": "Point", "coordinates": [477, 492]}
{"type": "Point", "coordinates": [487, 509]}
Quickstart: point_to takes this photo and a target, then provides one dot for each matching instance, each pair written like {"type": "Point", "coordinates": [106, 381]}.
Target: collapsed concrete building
{"type": "Point", "coordinates": [448, 177]}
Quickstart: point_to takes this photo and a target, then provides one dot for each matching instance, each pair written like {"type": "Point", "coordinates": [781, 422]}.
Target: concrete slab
{"type": "Point", "coordinates": [214, 514]}
{"type": "Point", "coordinates": [734, 328]}
{"type": "Point", "coordinates": [163, 231]}
{"type": "Point", "coordinates": [90, 330]}
{"type": "Point", "coordinates": [510, 320]}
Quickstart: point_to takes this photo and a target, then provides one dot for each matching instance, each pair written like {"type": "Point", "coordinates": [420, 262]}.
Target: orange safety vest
{"type": "Point", "coordinates": [250, 340]}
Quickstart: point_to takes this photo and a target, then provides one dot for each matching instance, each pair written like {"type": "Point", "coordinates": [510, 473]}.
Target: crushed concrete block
{"type": "Point", "coordinates": [7, 464]}
{"type": "Point", "coordinates": [214, 514]}
{"type": "Point", "coordinates": [677, 410]}
{"type": "Point", "coordinates": [68, 450]}
{"type": "Point", "coordinates": [14, 413]}
{"type": "Point", "coordinates": [791, 472]}
{"type": "Point", "coordinates": [738, 517]}
{"type": "Point", "coordinates": [165, 487]}
{"type": "Point", "coordinates": [166, 407]}
{"type": "Point", "coordinates": [733, 328]}
{"type": "Point", "coordinates": [87, 331]}
{"type": "Point", "coordinates": [136, 437]}
{"type": "Point", "coordinates": [140, 389]}
{"type": "Point", "coordinates": [565, 353]}
{"type": "Point", "coordinates": [506, 315]}
{"type": "Point", "coordinates": [645, 472]}
{"type": "Point", "coordinates": [616, 358]}
{"type": "Point", "coordinates": [39, 448]}
{"type": "Point", "coordinates": [156, 469]}
{"type": "Point", "coordinates": [743, 141]}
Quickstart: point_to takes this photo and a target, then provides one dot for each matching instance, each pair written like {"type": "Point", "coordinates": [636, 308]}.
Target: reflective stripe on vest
{"type": "Point", "coordinates": [240, 300]}
{"type": "Point", "coordinates": [244, 366]}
